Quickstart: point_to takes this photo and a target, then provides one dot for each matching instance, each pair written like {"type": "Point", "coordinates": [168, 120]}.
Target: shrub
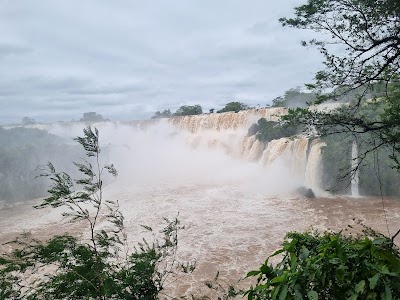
{"type": "Point", "coordinates": [234, 106]}
{"type": "Point", "coordinates": [267, 131]}
{"type": "Point", "coordinates": [330, 266]}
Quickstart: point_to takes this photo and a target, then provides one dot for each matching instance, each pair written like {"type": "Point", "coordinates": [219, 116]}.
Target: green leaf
{"type": "Point", "coordinates": [387, 294]}
{"type": "Point", "coordinates": [297, 295]}
{"type": "Point", "coordinates": [276, 292]}
{"type": "Point", "coordinates": [304, 253]}
{"type": "Point", "coordinates": [293, 260]}
{"type": "Point", "coordinates": [278, 279]}
{"type": "Point", "coordinates": [373, 281]}
{"type": "Point", "coordinates": [360, 287]}
{"type": "Point", "coordinates": [267, 270]}
{"type": "Point", "coordinates": [353, 297]}
{"type": "Point", "coordinates": [253, 273]}
{"type": "Point", "coordinates": [283, 293]}
{"type": "Point", "coordinates": [312, 295]}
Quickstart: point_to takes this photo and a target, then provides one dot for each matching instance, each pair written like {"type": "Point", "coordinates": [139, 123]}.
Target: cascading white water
{"type": "Point", "coordinates": [313, 168]}
{"type": "Point", "coordinates": [228, 132]}
{"type": "Point", "coordinates": [354, 166]}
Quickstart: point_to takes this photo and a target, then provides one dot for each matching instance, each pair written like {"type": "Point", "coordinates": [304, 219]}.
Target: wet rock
{"type": "Point", "coordinates": [253, 129]}
{"type": "Point", "coordinates": [305, 192]}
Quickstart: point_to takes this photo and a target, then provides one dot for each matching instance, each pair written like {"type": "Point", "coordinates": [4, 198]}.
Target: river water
{"type": "Point", "coordinates": [227, 228]}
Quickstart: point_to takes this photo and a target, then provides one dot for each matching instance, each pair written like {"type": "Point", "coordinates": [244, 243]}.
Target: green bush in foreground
{"type": "Point", "coordinates": [330, 266]}
{"type": "Point", "coordinates": [102, 266]}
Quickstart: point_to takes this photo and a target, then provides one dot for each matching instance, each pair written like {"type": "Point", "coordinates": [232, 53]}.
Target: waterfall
{"type": "Point", "coordinates": [313, 168]}
{"type": "Point", "coordinates": [228, 132]}
{"type": "Point", "coordinates": [354, 166]}
{"type": "Point", "coordinates": [227, 120]}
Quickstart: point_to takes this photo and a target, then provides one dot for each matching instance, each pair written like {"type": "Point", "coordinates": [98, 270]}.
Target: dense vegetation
{"type": "Point", "coordinates": [234, 106]}
{"type": "Point", "coordinates": [189, 110]}
{"type": "Point", "coordinates": [294, 98]}
{"type": "Point", "coordinates": [21, 151]}
{"type": "Point", "coordinates": [91, 117]}
{"type": "Point", "coordinates": [377, 175]}
{"type": "Point", "coordinates": [100, 267]}
{"type": "Point", "coordinates": [166, 113]}
{"type": "Point", "coordinates": [370, 61]}
{"type": "Point", "coordinates": [330, 266]}
{"type": "Point", "coordinates": [267, 131]}
{"type": "Point", "coordinates": [334, 265]}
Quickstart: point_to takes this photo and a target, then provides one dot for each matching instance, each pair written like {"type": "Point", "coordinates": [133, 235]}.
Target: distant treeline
{"type": "Point", "coordinates": [190, 110]}
{"type": "Point", "coordinates": [88, 117]}
{"type": "Point", "coordinates": [22, 150]}
{"type": "Point", "coordinates": [292, 98]}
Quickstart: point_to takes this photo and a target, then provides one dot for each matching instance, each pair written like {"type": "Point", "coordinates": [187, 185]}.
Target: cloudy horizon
{"type": "Point", "coordinates": [128, 59]}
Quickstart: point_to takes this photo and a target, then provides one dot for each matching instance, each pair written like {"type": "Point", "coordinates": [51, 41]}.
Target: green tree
{"type": "Point", "coordinates": [267, 131]}
{"type": "Point", "coordinates": [294, 98]}
{"type": "Point", "coordinates": [166, 113]}
{"type": "Point", "coordinates": [92, 117]}
{"type": "Point", "coordinates": [188, 110]}
{"type": "Point", "coordinates": [369, 60]}
{"type": "Point", "coordinates": [368, 35]}
{"type": "Point", "coordinates": [28, 121]}
{"type": "Point", "coordinates": [101, 267]}
{"type": "Point", "coordinates": [22, 149]}
{"type": "Point", "coordinates": [234, 106]}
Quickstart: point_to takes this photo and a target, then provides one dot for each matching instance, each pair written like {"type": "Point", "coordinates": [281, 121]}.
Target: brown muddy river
{"type": "Point", "coordinates": [227, 228]}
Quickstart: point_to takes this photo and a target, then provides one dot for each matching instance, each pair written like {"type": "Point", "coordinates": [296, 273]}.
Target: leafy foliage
{"type": "Point", "coordinates": [234, 106]}
{"type": "Point", "coordinates": [367, 31]}
{"type": "Point", "coordinates": [294, 98]}
{"type": "Point", "coordinates": [28, 121]}
{"type": "Point", "coordinates": [377, 175]}
{"type": "Point", "coordinates": [98, 268]}
{"type": "Point", "coordinates": [21, 151]}
{"type": "Point", "coordinates": [188, 110]}
{"type": "Point", "coordinates": [367, 66]}
{"type": "Point", "coordinates": [166, 113]}
{"type": "Point", "coordinates": [330, 266]}
{"type": "Point", "coordinates": [267, 131]}
{"type": "Point", "coordinates": [91, 117]}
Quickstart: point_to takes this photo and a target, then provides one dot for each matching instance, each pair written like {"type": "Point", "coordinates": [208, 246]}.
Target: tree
{"type": "Point", "coordinates": [92, 117]}
{"type": "Point", "coordinates": [267, 131]}
{"type": "Point", "coordinates": [335, 265]}
{"type": "Point", "coordinates": [28, 121]}
{"type": "Point", "coordinates": [294, 98]}
{"type": "Point", "coordinates": [21, 151]}
{"type": "Point", "coordinates": [234, 106]}
{"type": "Point", "coordinates": [368, 33]}
{"type": "Point", "coordinates": [100, 267]}
{"type": "Point", "coordinates": [368, 36]}
{"type": "Point", "coordinates": [166, 113]}
{"type": "Point", "coordinates": [188, 110]}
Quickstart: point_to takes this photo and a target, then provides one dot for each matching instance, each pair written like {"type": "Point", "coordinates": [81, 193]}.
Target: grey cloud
{"type": "Point", "coordinates": [127, 59]}
{"type": "Point", "coordinates": [10, 49]}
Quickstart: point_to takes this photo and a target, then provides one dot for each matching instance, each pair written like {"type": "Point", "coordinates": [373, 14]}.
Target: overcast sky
{"type": "Point", "coordinates": [128, 59]}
